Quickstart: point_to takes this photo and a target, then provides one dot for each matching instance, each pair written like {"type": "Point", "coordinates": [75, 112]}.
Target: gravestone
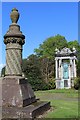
{"type": "Point", "coordinates": [18, 99]}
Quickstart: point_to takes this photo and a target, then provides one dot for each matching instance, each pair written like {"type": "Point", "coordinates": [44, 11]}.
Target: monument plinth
{"type": "Point", "coordinates": [18, 99]}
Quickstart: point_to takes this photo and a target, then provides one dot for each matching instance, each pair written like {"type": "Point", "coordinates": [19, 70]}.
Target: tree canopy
{"type": "Point", "coordinates": [47, 48]}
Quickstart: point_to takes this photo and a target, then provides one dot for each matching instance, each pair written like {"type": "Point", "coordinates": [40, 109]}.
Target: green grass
{"type": "Point", "coordinates": [64, 103]}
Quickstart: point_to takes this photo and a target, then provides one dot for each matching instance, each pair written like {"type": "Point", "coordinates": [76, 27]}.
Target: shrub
{"type": "Point", "coordinates": [52, 84]}
{"type": "Point", "coordinates": [77, 83]}
{"type": "Point", "coordinates": [38, 84]}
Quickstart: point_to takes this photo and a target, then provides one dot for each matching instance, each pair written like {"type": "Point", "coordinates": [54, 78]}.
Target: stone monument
{"type": "Point", "coordinates": [18, 99]}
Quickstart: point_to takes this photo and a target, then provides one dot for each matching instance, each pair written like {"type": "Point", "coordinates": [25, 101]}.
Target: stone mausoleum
{"type": "Point", "coordinates": [65, 67]}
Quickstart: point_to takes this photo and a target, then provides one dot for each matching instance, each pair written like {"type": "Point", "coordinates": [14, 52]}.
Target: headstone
{"type": "Point", "coordinates": [18, 99]}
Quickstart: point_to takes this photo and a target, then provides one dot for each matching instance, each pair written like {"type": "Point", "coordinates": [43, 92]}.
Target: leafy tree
{"type": "Point", "coordinates": [46, 52]}
{"type": "Point", "coordinates": [47, 68]}
{"type": "Point", "coordinates": [72, 44]}
{"type": "Point", "coordinates": [31, 69]}
{"type": "Point", "coordinates": [47, 48]}
{"type": "Point", "coordinates": [75, 44]}
{"type": "Point", "coordinates": [78, 68]}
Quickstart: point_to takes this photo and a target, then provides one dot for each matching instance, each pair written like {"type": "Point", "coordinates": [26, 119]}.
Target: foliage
{"type": "Point", "coordinates": [52, 84]}
{"type": "Point", "coordinates": [78, 68]}
{"type": "Point", "coordinates": [47, 48]}
{"type": "Point", "coordinates": [77, 83]}
{"type": "Point", "coordinates": [72, 44]}
{"type": "Point", "coordinates": [32, 70]}
{"type": "Point", "coordinates": [78, 61]}
{"type": "Point", "coordinates": [3, 72]}
{"type": "Point", "coordinates": [47, 68]}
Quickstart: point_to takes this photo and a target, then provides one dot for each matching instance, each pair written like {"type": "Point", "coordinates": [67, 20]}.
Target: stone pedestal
{"type": "Point", "coordinates": [19, 100]}
{"type": "Point", "coordinates": [16, 91]}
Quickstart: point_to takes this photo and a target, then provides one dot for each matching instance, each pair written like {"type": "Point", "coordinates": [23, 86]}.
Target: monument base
{"type": "Point", "coordinates": [29, 112]}
{"type": "Point", "coordinates": [19, 101]}
{"type": "Point", "coordinates": [16, 91]}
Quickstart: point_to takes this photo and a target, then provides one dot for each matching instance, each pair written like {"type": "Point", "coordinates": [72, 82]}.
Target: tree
{"type": "Point", "coordinates": [47, 68]}
{"type": "Point", "coordinates": [78, 62]}
{"type": "Point", "coordinates": [46, 52]}
{"type": "Point", "coordinates": [76, 44]}
{"type": "Point", "coordinates": [32, 70]}
{"type": "Point", "coordinates": [47, 48]}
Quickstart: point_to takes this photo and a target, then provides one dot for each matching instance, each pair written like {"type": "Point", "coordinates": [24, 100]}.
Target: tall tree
{"type": "Point", "coordinates": [47, 48]}
{"type": "Point", "coordinates": [31, 69]}
{"type": "Point", "coordinates": [76, 44]}
{"type": "Point", "coordinates": [46, 52]}
{"type": "Point", "coordinates": [73, 43]}
{"type": "Point", "coordinates": [47, 68]}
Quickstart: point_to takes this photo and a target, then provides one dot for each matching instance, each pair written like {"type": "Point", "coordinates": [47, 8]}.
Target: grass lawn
{"type": "Point", "coordinates": [64, 103]}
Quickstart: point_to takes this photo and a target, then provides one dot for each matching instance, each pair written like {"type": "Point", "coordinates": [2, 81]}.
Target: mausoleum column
{"type": "Point", "coordinates": [69, 80]}
{"type": "Point", "coordinates": [71, 67]}
{"type": "Point", "coordinates": [56, 66]}
{"type": "Point", "coordinates": [60, 60]}
{"type": "Point", "coordinates": [74, 67]}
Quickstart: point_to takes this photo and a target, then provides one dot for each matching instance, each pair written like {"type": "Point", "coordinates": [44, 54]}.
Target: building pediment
{"type": "Point", "coordinates": [65, 51]}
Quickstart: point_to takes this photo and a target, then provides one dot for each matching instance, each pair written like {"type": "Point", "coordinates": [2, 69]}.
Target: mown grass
{"type": "Point", "coordinates": [64, 103]}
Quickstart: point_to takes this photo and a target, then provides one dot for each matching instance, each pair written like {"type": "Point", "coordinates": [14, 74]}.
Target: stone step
{"type": "Point", "coordinates": [28, 112]}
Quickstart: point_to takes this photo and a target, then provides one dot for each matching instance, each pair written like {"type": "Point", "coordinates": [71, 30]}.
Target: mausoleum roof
{"type": "Point", "coordinates": [65, 52]}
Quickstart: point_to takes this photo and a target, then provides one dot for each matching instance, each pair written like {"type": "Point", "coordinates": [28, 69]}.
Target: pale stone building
{"type": "Point", "coordinates": [65, 67]}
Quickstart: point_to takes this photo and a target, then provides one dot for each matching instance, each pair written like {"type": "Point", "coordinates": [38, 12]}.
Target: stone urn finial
{"type": "Point", "coordinates": [14, 15]}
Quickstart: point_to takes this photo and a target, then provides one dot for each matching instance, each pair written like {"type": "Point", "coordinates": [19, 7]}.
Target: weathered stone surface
{"type": "Point", "coordinates": [13, 59]}
{"type": "Point", "coordinates": [16, 91]}
{"type": "Point", "coordinates": [19, 99]}
{"type": "Point", "coordinates": [29, 112]}
{"type": "Point", "coordinates": [14, 15]}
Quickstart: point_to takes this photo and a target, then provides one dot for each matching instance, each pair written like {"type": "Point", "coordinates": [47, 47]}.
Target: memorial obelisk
{"type": "Point", "coordinates": [17, 94]}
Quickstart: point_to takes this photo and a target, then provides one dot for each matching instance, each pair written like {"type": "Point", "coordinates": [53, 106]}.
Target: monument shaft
{"type": "Point", "coordinates": [13, 60]}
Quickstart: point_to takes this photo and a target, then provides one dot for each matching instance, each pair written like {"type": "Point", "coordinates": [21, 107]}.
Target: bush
{"type": "Point", "coordinates": [77, 83]}
{"type": "Point", "coordinates": [38, 84]}
{"type": "Point", "coordinates": [52, 84]}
